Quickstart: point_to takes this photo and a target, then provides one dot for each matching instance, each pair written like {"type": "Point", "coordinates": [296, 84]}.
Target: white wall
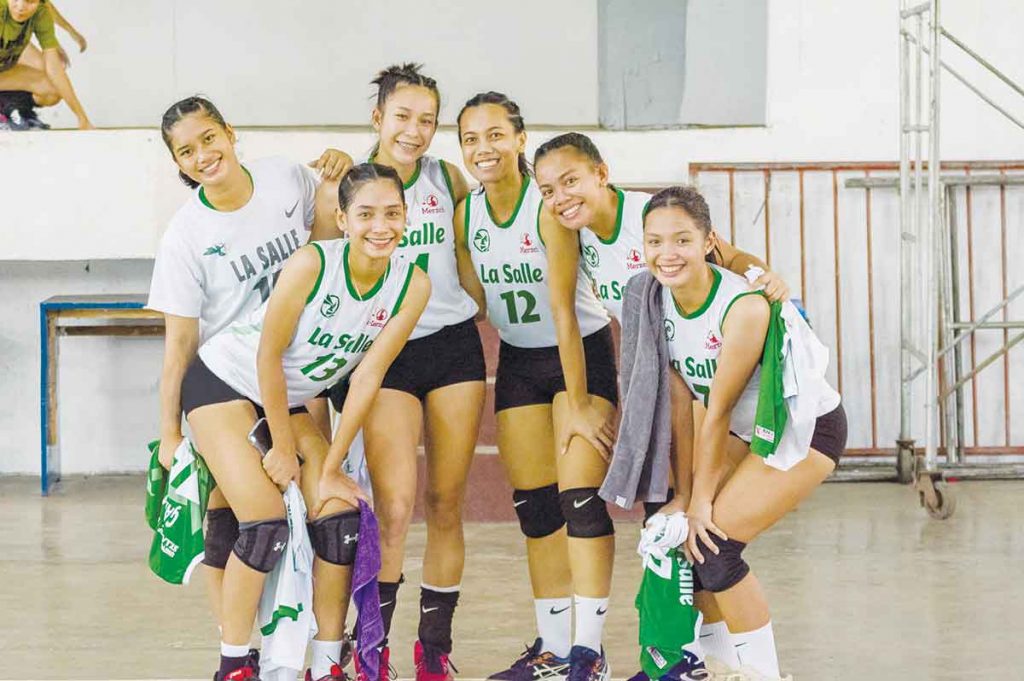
{"type": "Point", "coordinates": [70, 195]}
{"type": "Point", "coordinates": [278, 63]}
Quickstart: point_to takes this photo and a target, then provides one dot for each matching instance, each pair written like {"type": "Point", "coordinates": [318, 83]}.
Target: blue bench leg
{"type": "Point", "coordinates": [44, 399]}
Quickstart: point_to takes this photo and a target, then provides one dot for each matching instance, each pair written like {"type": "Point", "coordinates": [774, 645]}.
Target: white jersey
{"type": "Point", "coordinates": [610, 264]}
{"type": "Point", "coordinates": [286, 619]}
{"type": "Point", "coordinates": [509, 258]}
{"type": "Point", "coordinates": [695, 340]}
{"type": "Point", "coordinates": [333, 333]}
{"type": "Point", "coordinates": [218, 266]}
{"type": "Point", "coordinates": [429, 240]}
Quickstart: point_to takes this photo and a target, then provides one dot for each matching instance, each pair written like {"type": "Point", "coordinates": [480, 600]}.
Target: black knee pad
{"type": "Point", "coordinates": [586, 514]}
{"type": "Point", "coordinates": [335, 537]}
{"type": "Point", "coordinates": [221, 534]}
{"type": "Point", "coordinates": [261, 543]}
{"type": "Point", "coordinates": [723, 571]}
{"type": "Point", "coordinates": [538, 511]}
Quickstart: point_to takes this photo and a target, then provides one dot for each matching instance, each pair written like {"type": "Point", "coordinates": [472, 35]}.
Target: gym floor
{"type": "Point", "coordinates": [862, 585]}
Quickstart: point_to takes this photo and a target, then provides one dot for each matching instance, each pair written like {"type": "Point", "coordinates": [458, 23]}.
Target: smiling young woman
{"type": "Point", "coordinates": [341, 308]}
{"type": "Point", "coordinates": [717, 330]}
{"type": "Point", "coordinates": [569, 534]}
{"type": "Point", "coordinates": [219, 259]}
{"type": "Point", "coordinates": [437, 382]}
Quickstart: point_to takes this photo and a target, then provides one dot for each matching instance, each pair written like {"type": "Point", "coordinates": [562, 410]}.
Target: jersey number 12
{"type": "Point", "coordinates": [530, 303]}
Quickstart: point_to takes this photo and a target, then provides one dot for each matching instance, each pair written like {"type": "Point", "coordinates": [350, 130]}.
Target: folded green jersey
{"type": "Point", "coordinates": [668, 616]}
{"type": "Point", "coordinates": [175, 508]}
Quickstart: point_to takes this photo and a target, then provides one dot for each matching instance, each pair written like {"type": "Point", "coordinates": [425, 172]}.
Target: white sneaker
{"type": "Point", "coordinates": [720, 671]}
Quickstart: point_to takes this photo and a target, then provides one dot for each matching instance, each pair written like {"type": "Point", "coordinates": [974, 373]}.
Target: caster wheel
{"type": "Point", "coordinates": [946, 502]}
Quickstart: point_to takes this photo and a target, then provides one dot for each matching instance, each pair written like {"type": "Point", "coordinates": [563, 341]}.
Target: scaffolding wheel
{"type": "Point", "coordinates": [905, 462]}
{"type": "Point", "coordinates": [936, 496]}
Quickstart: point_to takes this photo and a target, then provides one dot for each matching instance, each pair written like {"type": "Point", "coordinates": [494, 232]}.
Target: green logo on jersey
{"type": "Point", "coordinates": [330, 305]}
{"type": "Point", "coordinates": [591, 256]}
{"type": "Point", "coordinates": [670, 330]}
{"type": "Point", "coordinates": [482, 240]}
{"type": "Point", "coordinates": [216, 249]}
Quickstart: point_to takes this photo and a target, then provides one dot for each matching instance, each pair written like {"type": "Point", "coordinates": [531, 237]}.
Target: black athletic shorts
{"type": "Point", "coordinates": [201, 387]}
{"type": "Point", "coordinates": [830, 433]}
{"type": "Point", "coordinates": [453, 354]}
{"type": "Point", "coordinates": [534, 375]}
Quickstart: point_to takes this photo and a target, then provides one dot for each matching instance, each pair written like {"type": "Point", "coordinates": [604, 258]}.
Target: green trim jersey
{"type": "Point", "coordinates": [610, 264]}
{"type": "Point", "coordinates": [333, 333]}
{"type": "Point", "coordinates": [429, 240]}
{"type": "Point", "coordinates": [510, 260]}
{"type": "Point", "coordinates": [695, 340]}
{"type": "Point", "coordinates": [219, 266]}
{"type": "Point", "coordinates": [669, 620]}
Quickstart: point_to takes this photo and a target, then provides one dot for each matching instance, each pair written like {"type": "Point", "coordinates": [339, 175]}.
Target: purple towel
{"type": "Point", "coordinates": [369, 623]}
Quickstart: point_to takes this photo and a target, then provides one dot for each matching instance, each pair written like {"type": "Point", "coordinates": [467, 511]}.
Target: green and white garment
{"type": "Point", "coordinates": [175, 508]}
{"type": "Point", "coordinates": [612, 263]}
{"type": "Point", "coordinates": [669, 620]}
{"type": "Point", "coordinates": [510, 261]}
{"type": "Point", "coordinates": [334, 331]}
{"type": "Point", "coordinates": [285, 617]}
{"type": "Point", "coordinates": [695, 341]}
{"type": "Point", "coordinates": [429, 241]}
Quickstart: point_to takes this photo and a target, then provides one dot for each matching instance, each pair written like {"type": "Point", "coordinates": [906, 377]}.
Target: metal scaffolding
{"type": "Point", "coordinates": [932, 329]}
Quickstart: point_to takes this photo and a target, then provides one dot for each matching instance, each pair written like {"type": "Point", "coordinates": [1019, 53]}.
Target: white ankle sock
{"type": "Point", "coordinates": [554, 624]}
{"type": "Point", "coordinates": [228, 650]}
{"type": "Point", "coordinates": [325, 654]}
{"type": "Point", "coordinates": [716, 642]}
{"type": "Point", "coordinates": [590, 614]}
{"type": "Point", "coordinates": [756, 649]}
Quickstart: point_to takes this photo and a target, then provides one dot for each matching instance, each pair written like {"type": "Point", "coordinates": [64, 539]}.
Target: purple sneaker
{"type": "Point", "coordinates": [534, 665]}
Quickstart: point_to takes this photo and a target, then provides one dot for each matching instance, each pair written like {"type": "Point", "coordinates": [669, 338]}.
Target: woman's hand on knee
{"type": "Point", "coordinates": [701, 528]}
{"type": "Point", "coordinates": [337, 485]}
{"type": "Point", "coordinates": [281, 466]}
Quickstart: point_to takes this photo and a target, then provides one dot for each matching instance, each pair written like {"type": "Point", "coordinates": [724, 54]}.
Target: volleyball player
{"type": "Point", "coordinates": [570, 537]}
{"type": "Point", "coordinates": [219, 259]}
{"type": "Point", "coordinates": [341, 307]}
{"type": "Point", "coordinates": [436, 383]}
{"type": "Point", "coordinates": [716, 330]}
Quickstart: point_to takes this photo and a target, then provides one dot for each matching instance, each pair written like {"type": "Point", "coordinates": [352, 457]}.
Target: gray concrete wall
{"type": "Point", "coordinates": [667, 63]}
{"type": "Point", "coordinates": [309, 63]}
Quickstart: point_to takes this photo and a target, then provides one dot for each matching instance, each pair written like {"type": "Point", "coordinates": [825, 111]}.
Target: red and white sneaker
{"type": "Point", "coordinates": [250, 671]}
{"type": "Point", "coordinates": [432, 664]}
{"type": "Point", "coordinates": [387, 672]}
{"type": "Point", "coordinates": [337, 674]}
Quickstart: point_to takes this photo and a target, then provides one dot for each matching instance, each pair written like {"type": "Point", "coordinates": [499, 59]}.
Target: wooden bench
{"type": "Point", "coordinates": [95, 315]}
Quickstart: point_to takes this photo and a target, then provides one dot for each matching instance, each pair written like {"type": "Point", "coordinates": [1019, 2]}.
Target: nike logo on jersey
{"type": "Point", "coordinates": [517, 504]}
{"type": "Point", "coordinates": [426, 610]}
{"type": "Point", "coordinates": [288, 213]}
{"type": "Point", "coordinates": [558, 612]}
{"type": "Point", "coordinates": [386, 604]}
{"type": "Point", "coordinates": [580, 504]}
